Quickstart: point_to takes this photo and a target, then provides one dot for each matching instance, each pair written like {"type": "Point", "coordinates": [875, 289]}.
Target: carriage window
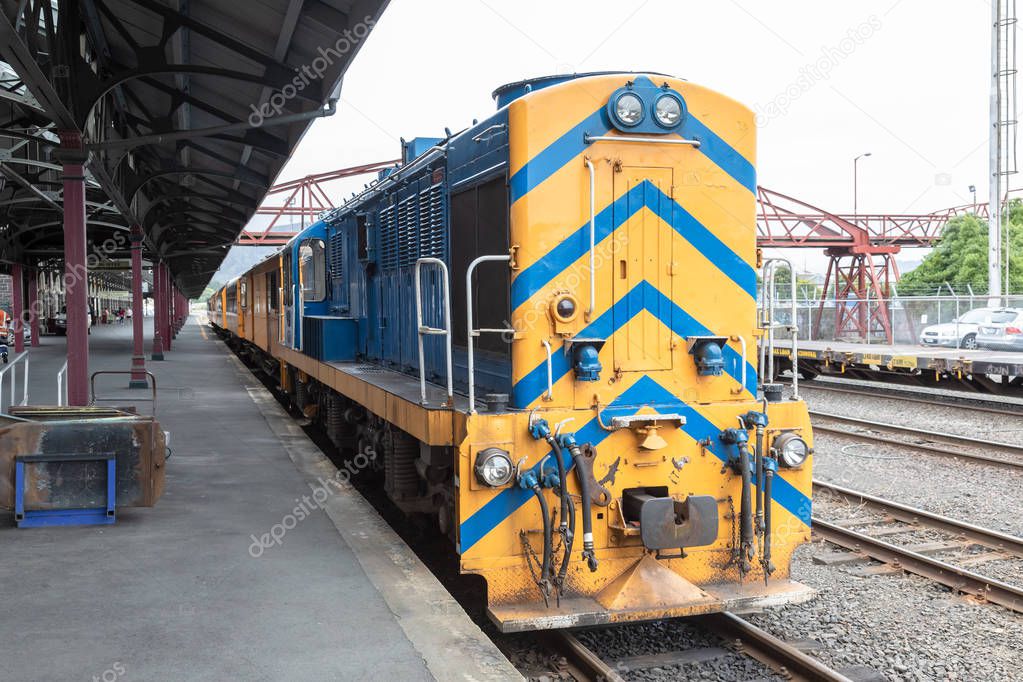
{"type": "Point", "coordinates": [312, 264]}
{"type": "Point", "coordinates": [243, 294]}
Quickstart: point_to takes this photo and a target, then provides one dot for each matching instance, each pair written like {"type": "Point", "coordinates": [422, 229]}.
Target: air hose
{"type": "Point", "coordinates": [569, 538]}
{"type": "Point", "coordinates": [770, 466]}
{"type": "Point", "coordinates": [757, 420]}
{"type": "Point", "coordinates": [529, 481]}
{"type": "Point", "coordinates": [540, 430]}
{"type": "Point", "coordinates": [568, 441]}
{"type": "Point", "coordinates": [745, 509]}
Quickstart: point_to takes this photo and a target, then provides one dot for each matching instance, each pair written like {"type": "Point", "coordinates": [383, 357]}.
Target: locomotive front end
{"type": "Point", "coordinates": [636, 474]}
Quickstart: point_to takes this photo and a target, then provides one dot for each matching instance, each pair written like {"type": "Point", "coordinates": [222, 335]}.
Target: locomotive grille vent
{"type": "Point", "coordinates": [431, 222]}
{"type": "Point", "coordinates": [336, 248]}
{"type": "Point", "coordinates": [388, 239]}
{"type": "Point", "coordinates": [408, 231]}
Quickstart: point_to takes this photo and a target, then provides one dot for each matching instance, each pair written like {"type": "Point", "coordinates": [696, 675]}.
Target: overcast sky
{"type": "Point", "coordinates": [907, 80]}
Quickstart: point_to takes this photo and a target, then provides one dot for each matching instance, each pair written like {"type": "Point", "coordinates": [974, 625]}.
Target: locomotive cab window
{"type": "Point", "coordinates": [312, 263]}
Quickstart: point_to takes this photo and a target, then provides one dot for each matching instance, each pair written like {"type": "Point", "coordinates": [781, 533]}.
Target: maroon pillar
{"type": "Point", "coordinates": [76, 270]}
{"type": "Point", "coordinates": [138, 351]}
{"type": "Point", "coordinates": [18, 321]}
{"type": "Point", "coordinates": [157, 315]}
{"type": "Point", "coordinates": [34, 309]}
{"type": "Point", "coordinates": [165, 280]}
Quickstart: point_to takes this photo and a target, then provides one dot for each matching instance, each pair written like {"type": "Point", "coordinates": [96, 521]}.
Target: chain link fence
{"type": "Point", "coordinates": [907, 316]}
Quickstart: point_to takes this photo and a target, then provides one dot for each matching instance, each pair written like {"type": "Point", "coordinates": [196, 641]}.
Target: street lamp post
{"type": "Point", "coordinates": [973, 190]}
{"type": "Point", "coordinates": [856, 211]}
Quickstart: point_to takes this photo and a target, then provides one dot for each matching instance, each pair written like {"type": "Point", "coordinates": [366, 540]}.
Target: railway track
{"type": "Point", "coordinates": [929, 442]}
{"type": "Point", "coordinates": [742, 637]}
{"type": "Point", "coordinates": [1001, 546]}
{"type": "Point", "coordinates": [966, 402]}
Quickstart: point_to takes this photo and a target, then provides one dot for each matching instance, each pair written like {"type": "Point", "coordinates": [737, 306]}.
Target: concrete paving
{"type": "Point", "coordinates": [181, 591]}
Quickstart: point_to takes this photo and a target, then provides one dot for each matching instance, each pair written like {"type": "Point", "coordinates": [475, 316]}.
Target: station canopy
{"type": "Point", "coordinates": [187, 111]}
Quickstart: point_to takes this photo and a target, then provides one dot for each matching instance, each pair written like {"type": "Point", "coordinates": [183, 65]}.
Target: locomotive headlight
{"type": "Point", "coordinates": [494, 467]}
{"type": "Point", "coordinates": [791, 450]}
{"type": "Point", "coordinates": [629, 109]}
{"type": "Point", "coordinates": [565, 307]}
{"type": "Point", "coordinates": [668, 111]}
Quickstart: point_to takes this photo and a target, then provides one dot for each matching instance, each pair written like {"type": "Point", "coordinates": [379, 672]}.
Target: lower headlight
{"type": "Point", "coordinates": [791, 450]}
{"type": "Point", "coordinates": [494, 467]}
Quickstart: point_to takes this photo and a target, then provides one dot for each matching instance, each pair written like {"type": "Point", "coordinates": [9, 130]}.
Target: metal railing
{"type": "Point", "coordinates": [12, 369]}
{"type": "Point", "coordinates": [471, 331]}
{"type": "Point", "coordinates": [768, 323]}
{"type": "Point", "coordinates": [62, 386]}
{"type": "Point", "coordinates": [424, 330]}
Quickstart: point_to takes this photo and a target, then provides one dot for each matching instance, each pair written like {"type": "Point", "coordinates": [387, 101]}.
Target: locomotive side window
{"type": "Point", "coordinates": [272, 295]}
{"type": "Point", "coordinates": [312, 263]}
{"type": "Point", "coordinates": [479, 226]}
{"type": "Point", "coordinates": [362, 234]}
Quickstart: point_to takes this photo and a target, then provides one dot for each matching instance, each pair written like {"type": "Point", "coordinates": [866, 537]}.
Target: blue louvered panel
{"type": "Point", "coordinates": [408, 230]}
{"type": "Point", "coordinates": [432, 222]}
{"type": "Point", "coordinates": [388, 239]}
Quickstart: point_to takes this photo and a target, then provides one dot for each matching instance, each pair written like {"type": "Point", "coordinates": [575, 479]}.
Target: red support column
{"type": "Point", "coordinates": [34, 309]}
{"type": "Point", "coordinates": [165, 280]}
{"type": "Point", "coordinates": [157, 315]}
{"type": "Point", "coordinates": [18, 321]}
{"type": "Point", "coordinates": [76, 270]}
{"type": "Point", "coordinates": [138, 351]}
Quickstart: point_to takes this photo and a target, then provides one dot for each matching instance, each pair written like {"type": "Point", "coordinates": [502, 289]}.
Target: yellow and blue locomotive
{"type": "Point", "coordinates": [542, 329]}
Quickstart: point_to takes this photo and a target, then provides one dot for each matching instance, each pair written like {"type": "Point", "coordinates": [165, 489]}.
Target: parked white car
{"type": "Point", "coordinates": [962, 332]}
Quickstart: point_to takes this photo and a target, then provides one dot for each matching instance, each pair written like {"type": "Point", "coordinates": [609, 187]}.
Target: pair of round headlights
{"type": "Point", "coordinates": [629, 109]}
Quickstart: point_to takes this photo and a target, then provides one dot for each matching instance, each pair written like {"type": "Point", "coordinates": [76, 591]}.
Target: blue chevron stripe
{"type": "Point", "coordinates": [570, 145]}
{"type": "Point", "coordinates": [644, 296]}
{"type": "Point", "coordinates": [647, 393]}
{"type": "Point", "coordinates": [540, 273]}
{"type": "Point", "coordinates": [558, 153]}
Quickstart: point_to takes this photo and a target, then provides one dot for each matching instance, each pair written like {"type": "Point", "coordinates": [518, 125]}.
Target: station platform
{"type": "Point", "coordinates": [976, 370]}
{"type": "Point", "coordinates": [192, 588]}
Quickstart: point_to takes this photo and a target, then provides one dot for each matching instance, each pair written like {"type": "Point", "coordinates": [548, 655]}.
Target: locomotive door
{"type": "Point", "coordinates": [643, 246]}
{"type": "Point", "coordinates": [273, 322]}
{"type": "Point", "coordinates": [288, 288]}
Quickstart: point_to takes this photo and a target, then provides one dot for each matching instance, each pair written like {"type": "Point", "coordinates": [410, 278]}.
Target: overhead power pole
{"type": "Point", "coordinates": [1002, 138]}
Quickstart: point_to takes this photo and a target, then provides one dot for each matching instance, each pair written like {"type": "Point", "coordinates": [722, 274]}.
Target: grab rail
{"type": "Point", "coordinates": [12, 368]}
{"type": "Point", "coordinates": [767, 305]}
{"type": "Point", "coordinates": [62, 386]}
{"type": "Point", "coordinates": [593, 237]}
{"type": "Point", "coordinates": [424, 330]}
{"type": "Point", "coordinates": [471, 332]}
{"type": "Point", "coordinates": [550, 370]}
{"type": "Point", "coordinates": [590, 139]}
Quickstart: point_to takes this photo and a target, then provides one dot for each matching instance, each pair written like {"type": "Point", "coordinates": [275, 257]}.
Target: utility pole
{"type": "Point", "coordinates": [1002, 138]}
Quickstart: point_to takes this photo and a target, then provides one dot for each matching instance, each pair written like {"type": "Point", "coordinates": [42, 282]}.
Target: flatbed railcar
{"type": "Point", "coordinates": [541, 330]}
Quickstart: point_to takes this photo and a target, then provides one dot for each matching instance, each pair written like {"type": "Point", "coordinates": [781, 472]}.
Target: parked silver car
{"type": "Point", "coordinates": [1003, 332]}
{"type": "Point", "coordinates": [961, 332]}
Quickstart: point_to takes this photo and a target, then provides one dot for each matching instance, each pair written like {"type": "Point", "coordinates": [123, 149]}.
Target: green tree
{"type": "Point", "coordinates": [960, 258]}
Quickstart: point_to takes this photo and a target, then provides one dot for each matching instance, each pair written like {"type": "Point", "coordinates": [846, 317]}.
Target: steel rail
{"type": "Point", "coordinates": [769, 650]}
{"type": "Point", "coordinates": [963, 402]}
{"type": "Point", "coordinates": [901, 512]}
{"type": "Point", "coordinates": [586, 664]}
{"type": "Point", "coordinates": [749, 639]}
{"type": "Point", "coordinates": [958, 579]}
{"type": "Point", "coordinates": [933, 437]}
